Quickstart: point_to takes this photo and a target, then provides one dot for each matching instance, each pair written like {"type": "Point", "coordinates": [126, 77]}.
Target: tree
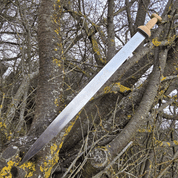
{"type": "Point", "coordinates": [50, 49]}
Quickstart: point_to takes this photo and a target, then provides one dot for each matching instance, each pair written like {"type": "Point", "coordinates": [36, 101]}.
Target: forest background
{"type": "Point", "coordinates": [49, 50]}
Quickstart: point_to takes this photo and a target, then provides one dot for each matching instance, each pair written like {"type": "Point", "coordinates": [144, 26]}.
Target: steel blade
{"type": "Point", "coordinates": [84, 96]}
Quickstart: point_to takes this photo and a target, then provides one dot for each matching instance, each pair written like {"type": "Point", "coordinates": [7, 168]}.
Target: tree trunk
{"type": "Point", "coordinates": [49, 96]}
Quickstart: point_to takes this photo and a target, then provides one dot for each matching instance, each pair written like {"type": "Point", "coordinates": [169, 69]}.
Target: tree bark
{"type": "Point", "coordinates": [141, 13]}
{"type": "Point", "coordinates": [110, 30]}
{"type": "Point", "coordinates": [49, 96]}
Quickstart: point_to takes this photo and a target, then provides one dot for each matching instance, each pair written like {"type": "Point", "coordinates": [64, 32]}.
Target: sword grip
{"type": "Point", "coordinates": [146, 30]}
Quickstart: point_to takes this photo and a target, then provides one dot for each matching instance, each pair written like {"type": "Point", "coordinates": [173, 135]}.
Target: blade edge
{"type": "Point", "coordinates": [85, 95]}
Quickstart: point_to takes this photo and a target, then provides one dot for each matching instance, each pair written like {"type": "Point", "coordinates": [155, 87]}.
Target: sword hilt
{"type": "Point", "coordinates": [146, 30]}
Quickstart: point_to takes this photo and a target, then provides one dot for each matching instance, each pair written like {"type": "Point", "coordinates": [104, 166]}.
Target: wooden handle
{"type": "Point", "coordinates": [146, 29]}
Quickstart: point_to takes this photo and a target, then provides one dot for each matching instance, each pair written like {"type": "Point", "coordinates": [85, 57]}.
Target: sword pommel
{"type": "Point", "coordinates": [145, 30]}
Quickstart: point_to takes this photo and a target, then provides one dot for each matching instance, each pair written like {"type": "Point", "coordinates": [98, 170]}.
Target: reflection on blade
{"type": "Point", "coordinates": [84, 96]}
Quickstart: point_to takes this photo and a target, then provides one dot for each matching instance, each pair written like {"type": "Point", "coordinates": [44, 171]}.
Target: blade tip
{"type": "Point", "coordinates": [23, 161]}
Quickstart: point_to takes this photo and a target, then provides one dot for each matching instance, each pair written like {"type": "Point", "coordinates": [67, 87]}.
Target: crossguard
{"type": "Point", "coordinates": [146, 30]}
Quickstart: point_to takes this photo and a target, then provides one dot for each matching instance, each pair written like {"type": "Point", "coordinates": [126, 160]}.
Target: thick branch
{"type": "Point", "coordinates": [110, 29]}
{"type": "Point", "coordinates": [129, 131]}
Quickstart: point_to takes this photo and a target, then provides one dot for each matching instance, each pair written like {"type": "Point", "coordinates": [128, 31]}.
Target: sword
{"type": "Point", "coordinates": [91, 88]}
